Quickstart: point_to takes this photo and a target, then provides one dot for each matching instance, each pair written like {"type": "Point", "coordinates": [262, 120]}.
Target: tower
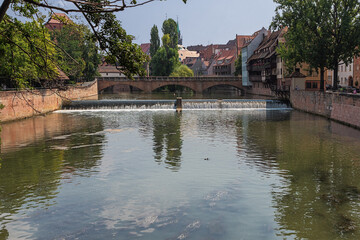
{"type": "Point", "coordinates": [179, 33]}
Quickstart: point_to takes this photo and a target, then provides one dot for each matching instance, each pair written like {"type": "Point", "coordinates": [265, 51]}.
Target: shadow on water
{"type": "Point", "coordinates": [31, 175]}
{"type": "Point", "coordinates": [167, 139]}
{"type": "Point", "coordinates": [320, 191]}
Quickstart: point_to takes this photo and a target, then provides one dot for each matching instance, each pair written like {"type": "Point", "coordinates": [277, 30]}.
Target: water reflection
{"type": "Point", "coordinates": [50, 153]}
{"type": "Point", "coordinates": [320, 192]}
{"type": "Point", "coordinates": [101, 175]}
{"type": "Point", "coordinates": [167, 139]}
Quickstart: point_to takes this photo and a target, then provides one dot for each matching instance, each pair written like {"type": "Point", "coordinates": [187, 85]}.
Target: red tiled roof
{"type": "Point", "coordinates": [268, 46]}
{"type": "Point", "coordinates": [241, 40]}
{"type": "Point", "coordinates": [58, 18]}
{"type": "Point", "coordinates": [104, 68]}
{"type": "Point", "coordinates": [225, 55]}
{"type": "Point", "coordinates": [145, 47]}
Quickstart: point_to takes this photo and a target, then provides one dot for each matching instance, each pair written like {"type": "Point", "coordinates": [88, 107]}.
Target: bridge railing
{"type": "Point", "coordinates": [172, 79]}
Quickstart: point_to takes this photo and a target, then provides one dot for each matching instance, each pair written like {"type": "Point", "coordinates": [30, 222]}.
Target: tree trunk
{"type": "Point", "coordinates": [336, 71]}
{"type": "Point", "coordinates": [3, 9]}
{"type": "Point", "coordinates": [322, 73]}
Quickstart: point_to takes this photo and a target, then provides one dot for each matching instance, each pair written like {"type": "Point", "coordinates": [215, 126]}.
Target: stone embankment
{"type": "Point", "coordinates": [344, 108]}
{"type": "Point", "coordinates": [28, 103]}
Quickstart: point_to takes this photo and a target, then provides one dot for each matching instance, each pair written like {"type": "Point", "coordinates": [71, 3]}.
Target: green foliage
{"type": "Point", "coordinates": [30, 55]}
{"type": "Point", "coordinates": [182, 71]}
{"type": "Point", "coordinates": [238, 66]}
{"type": "Point", "coordinates": [321, 32]}
{"type": "Point", "coordinates": [166, 41]}
{"type": "Point", "coordinates": [164, 62]}
{"type": "Point", "coordinates": [79, 56]}
{"type": "Point", "coordinates": [166, 59]}
{"type": "Point", "coordinates": [118, 46]}
{"type": "Point", "coordinates": [170, 27]}
{"type": "Point", "coordinates": [154, 40]}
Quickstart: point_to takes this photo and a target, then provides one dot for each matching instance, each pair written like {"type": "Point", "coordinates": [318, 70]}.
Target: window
{"type": "Point", "coordinates": [342, 69]}
{"type": "Point", "coordinates": [350, 68]}
{"type": "Point", "coordinates": [308, 84]}
{"type": "Point", "coordinates": [314, 85]}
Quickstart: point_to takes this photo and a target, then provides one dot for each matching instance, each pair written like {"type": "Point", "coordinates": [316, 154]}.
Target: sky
{"type": "Point", "coordinates": [201, 21]}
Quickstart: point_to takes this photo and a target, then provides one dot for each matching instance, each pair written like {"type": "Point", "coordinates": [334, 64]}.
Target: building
{"type": "Point", "coordinates": [345, 75]}
{"type": "Point", "coordinates": [356, 76]}
{"type": "Point", "coordinates": [241, 41]}
{"type": "Point", "coordinates": [198, 65]}
{"type": "Point", "coordinates": [57, 21]}
{"type": "Point", "coordinates": [247, 51]}
{"type": "Point", "coordinates": [224, 63]}
{"type": "Point", "coordinates": [307, 78]}
{"type": "Point", "coordinates": [185, 53]}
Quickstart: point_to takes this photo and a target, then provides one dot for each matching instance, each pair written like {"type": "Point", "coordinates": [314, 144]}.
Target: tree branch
{"type": "Point", "coordinates": [4, 7]}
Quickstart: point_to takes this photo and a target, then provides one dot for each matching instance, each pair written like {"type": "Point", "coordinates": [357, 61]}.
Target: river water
{"type": "Point", "coordinates": [201, 174]}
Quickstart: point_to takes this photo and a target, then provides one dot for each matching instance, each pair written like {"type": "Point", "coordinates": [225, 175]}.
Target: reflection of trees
{"type": "Point", "coordinates": [320, 195]}
{"type": "Point", "coordinates": [31, 175]}
{"type": "Point", "coordinates": [167, 136]}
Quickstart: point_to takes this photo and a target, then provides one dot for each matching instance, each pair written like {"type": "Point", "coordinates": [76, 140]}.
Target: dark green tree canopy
{"type": "Point", "coordinates": [28, 55]}
{"type": "Point", "coordinates": [154, 40]}
{"type": "Point", "coordinates": [170, 27]}
{"type": "Point", "coordinates": [112, 39]}
{"type": "Point", "coordinates": [320, 32]}
{"type": "Point", "coordinates": [80, 57]}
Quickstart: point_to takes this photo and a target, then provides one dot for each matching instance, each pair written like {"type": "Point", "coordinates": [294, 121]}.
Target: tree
{"type": "Point", "coordinates": [165, 60]}
{"type": "Point", "coordinates": [238, 66]}
{"type": "Point", "coordinates": [154, 40]}
{"type": "Point", "coordinates": [320, 32]}
{"type": "Point", "coordinates": [29, 56]}
{"type": "Point", "coordinates": [112, 38]}
{"type": "Point", "coordinates": [80, 57]}
{"type": "Point", "coordinates": [182, 71]}
{"type": "Point", "coordinates": [170, 27]}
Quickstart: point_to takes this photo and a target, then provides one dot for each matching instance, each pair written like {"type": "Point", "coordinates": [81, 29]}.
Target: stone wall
{"type": "Point", "coordinates": [262, 91]}
{"type": "Point", "coordinates": [23, 104]}
{"type": "Point", "coordinates": [344, 108]}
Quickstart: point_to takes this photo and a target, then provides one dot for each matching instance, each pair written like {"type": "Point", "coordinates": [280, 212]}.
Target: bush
{"type": "Point", "coordinates": [182, 71]}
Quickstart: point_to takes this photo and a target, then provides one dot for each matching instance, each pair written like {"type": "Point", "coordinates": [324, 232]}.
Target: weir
{"type": "Point", "coordinates": [187, 104]}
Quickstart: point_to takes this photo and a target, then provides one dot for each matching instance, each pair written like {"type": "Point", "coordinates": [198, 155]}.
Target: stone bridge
{"type": "Point", "coordinates": [149, 84]}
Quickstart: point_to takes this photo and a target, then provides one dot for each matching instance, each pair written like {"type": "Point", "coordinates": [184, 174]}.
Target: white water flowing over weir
{"type": "Point", "coordinates": [169, 105]}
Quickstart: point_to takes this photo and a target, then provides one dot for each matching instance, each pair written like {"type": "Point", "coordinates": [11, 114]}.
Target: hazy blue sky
{"type": "Point", "coordinates": [201, 21]}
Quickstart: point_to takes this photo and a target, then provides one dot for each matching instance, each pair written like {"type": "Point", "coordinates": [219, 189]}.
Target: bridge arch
{"type": "Point", "coordinates": [164, 84]}
{"type": "Point", "coordinates": [149, 84]}
{"type": "Point", "coordinates": [103, 85]}
{"type": "Point", "coordinates": [230, 84]}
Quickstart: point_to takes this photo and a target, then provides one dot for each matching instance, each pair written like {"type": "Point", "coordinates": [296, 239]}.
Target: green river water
{"type": "Point", "coordinates": [201, 174]}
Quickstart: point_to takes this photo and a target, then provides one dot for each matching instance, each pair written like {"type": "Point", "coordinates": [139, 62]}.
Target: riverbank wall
{"type": "Point", "coordinates": [28, 103]}
{"type": "Point", "coordinates": [341, 107]}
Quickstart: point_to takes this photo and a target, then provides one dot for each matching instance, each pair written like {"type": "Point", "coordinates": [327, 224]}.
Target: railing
{"type": "Point", "coordinates": [172, 79]}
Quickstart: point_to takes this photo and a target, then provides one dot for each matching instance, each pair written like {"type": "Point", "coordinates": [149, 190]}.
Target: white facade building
{"type": "Point", "coordinates": [345, 73]}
